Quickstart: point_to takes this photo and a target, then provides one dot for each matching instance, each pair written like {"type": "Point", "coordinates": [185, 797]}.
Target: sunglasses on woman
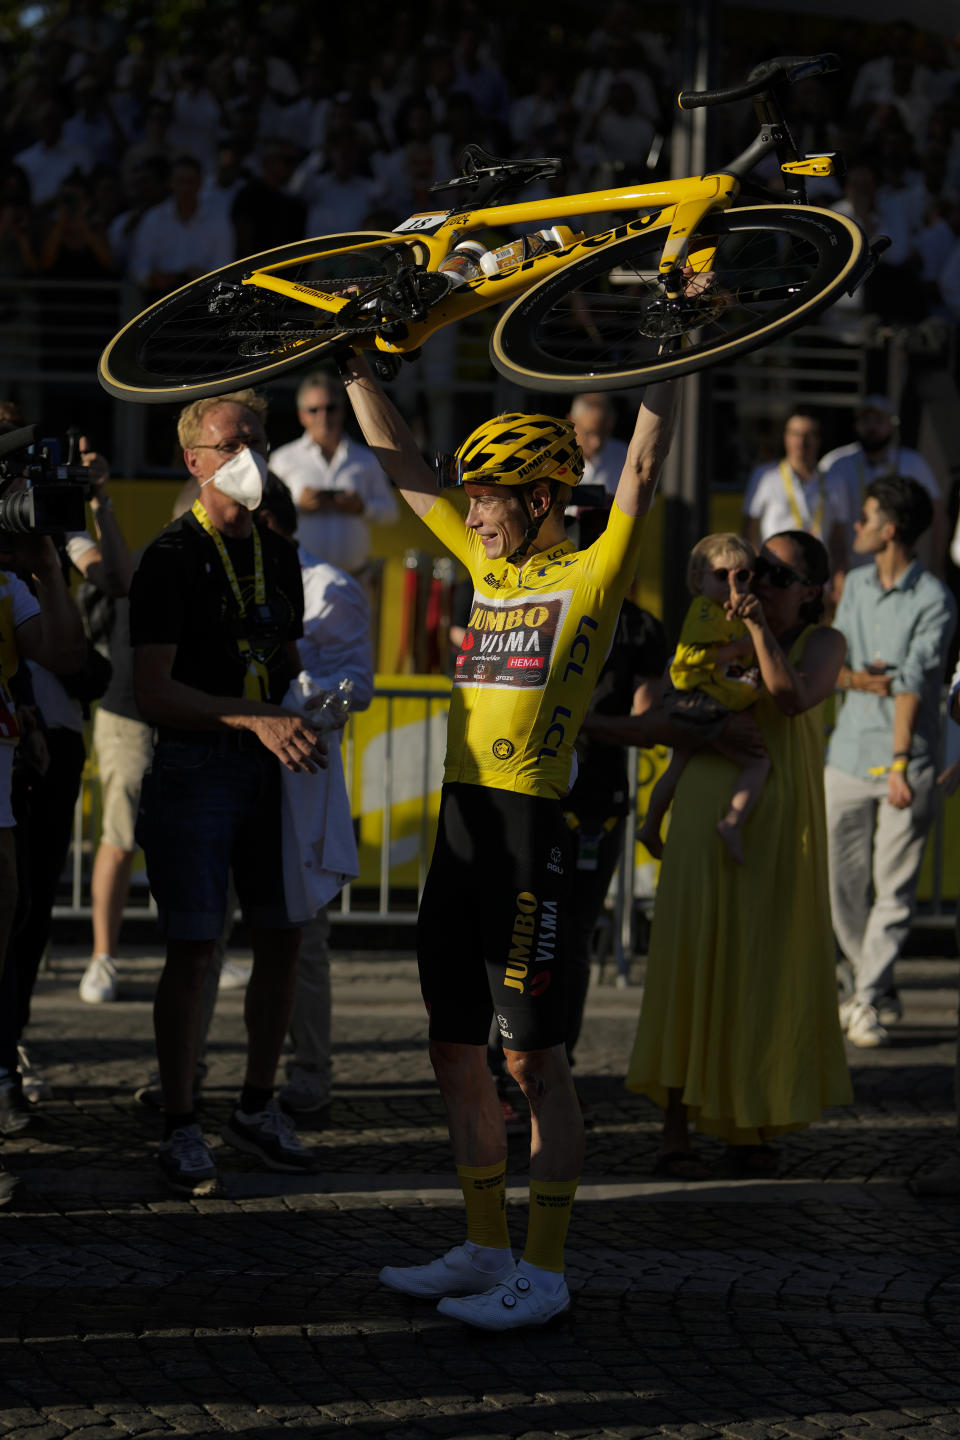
{"type": "Point", "coordinates": [723, 574]}
{"type": "Point", "coordinates": [777, 574]}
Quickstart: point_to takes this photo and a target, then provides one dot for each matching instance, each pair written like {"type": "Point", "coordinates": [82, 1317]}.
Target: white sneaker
{"type": "Point", "coordinates": [306, 1095]}
{"type": "Point", "coordinates": [508, 1306]}
{"type": "Point", "coordinates": [861, 1024]}
{"type": "Point", "coordinates": [234, 975]}
{"type": "Point", "coordinates": [99, 983]}
{"type": "Point", "coordinates": [270, 1134]}
{"type": "Point", "coordinates": [187, 1164]}
{"type": "Point", "coordinates": [453, 1274]}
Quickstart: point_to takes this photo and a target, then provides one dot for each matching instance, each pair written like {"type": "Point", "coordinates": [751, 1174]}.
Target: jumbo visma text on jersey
{"type": "Point", "coordinates": [534, 645]}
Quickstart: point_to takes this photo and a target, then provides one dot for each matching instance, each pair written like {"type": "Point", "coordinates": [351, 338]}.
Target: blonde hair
{"type": "Point", "coordinates": [710, 548]}
{"type": "Point", "coordinates": [190, 419]}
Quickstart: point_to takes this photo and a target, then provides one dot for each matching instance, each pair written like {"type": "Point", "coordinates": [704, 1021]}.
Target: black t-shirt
{"type": "Point", "coordinates": [638, 652]}
{"type": "Point", "coordinates": [181, 596]}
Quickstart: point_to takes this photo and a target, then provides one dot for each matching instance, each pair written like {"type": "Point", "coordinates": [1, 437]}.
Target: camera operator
{"type": "Point", "coordinates": [50, 772]}
{"type": "Point", "coordinates": [38, 623]}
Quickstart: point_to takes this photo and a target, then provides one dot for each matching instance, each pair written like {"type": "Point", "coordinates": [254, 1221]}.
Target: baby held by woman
{"type": "Point", "coordinates": [713, 672]}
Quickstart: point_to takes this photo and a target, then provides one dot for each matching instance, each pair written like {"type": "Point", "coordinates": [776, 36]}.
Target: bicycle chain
{"type": "Point", "coordinates": [348, 333]}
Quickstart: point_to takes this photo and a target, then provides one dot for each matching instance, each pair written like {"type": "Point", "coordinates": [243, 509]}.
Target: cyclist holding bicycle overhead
{"type": "Point", "coordinates": [493, 931]}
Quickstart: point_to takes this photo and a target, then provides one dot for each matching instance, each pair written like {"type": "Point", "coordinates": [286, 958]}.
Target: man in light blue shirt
{"type": "Point", "coordinates": [881, 764]}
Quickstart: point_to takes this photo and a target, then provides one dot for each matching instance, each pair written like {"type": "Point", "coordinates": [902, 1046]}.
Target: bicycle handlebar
{"type": "Point", "coordinates": [785, 69]}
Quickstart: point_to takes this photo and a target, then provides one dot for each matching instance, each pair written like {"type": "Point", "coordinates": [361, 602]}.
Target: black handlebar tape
{"type": "Point", "coordinates": [788, 68]}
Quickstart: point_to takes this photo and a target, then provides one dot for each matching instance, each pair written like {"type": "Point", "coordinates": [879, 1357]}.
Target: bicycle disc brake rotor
{"type": "Point", "coordinates": [666, 319]}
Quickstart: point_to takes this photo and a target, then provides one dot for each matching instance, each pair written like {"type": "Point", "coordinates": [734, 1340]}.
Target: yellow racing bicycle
{"type": "Point", "coordinates": [691, 276]}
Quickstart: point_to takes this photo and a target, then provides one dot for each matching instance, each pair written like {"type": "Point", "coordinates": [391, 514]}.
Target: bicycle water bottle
{"type": "Point", "coordinates": [334, 708]}
{"type": "Point", "coordinates": [526, 248]}
{"type": "Point", "coordinates": [463, 262]}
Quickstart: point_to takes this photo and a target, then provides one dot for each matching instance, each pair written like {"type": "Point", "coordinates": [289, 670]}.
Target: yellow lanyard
{"type": "Point", "coordinates": [256, 682]}
{"type": "Point", "coordinates": [815, 523]}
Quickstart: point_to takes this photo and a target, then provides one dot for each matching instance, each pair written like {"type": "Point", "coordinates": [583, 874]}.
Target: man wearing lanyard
{"type": "Point", "coordinates": [795, 494]}
{"type": "Point", "coordinates": [897, 619]}
{"type": "Point", "coordinates": [875, 454]}
{"type": "Point", "coordinates": [216, 608]}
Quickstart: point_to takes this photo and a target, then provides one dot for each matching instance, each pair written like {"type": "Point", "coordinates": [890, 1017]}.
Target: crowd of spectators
{"type": "Point", "coordinates": [129, 152]}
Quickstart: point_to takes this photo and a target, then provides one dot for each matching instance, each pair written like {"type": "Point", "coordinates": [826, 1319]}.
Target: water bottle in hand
{"type": "Point", "coordinates": [330, 711]}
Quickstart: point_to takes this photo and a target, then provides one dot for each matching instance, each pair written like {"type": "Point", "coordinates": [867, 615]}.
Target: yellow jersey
{"type": "Point", "coordinates": [705, 626]}
{"type": "Point", "coordinates": [535, 643]}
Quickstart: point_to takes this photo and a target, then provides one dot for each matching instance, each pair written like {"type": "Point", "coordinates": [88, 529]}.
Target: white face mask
{"type": "Point", "coordinates": [242, 478]}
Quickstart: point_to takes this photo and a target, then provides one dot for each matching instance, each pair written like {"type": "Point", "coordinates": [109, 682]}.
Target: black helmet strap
{"type": "Point", "coordinates": [534, 522]}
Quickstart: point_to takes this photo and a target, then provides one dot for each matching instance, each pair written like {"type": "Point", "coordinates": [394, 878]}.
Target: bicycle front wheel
{"type": "Point", "coordinates": [605, 322]}
{"type": "Point", "coordinates": [215, 334]}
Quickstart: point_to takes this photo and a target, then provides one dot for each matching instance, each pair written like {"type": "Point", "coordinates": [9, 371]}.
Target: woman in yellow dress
{"type": "Point", "coordinates": [739, 1031]}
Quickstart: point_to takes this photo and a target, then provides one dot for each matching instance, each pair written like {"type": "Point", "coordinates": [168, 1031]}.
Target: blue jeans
{"type": "Point", "coordinates": [206, 808]}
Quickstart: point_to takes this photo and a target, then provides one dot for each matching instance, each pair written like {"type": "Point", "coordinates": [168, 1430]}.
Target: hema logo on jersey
{"type": "Point", "coordinates": [509, 645]}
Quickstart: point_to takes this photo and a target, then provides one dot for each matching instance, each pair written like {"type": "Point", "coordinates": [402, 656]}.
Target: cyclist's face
{"type": "Point", "coordinates": [321, 415]}
{"type": "Point", "coordinates": [497, 517]}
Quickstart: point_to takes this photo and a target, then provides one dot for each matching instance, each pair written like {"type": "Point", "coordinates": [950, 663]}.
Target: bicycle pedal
{"type": "Point", "coordinates": [386, 367]}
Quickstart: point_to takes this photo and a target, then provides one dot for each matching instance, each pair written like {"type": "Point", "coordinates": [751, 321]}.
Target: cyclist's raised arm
{"type": "Point", "coordinates": [389, 437]}
{"type": "Point", "coordinates": [652, 436]}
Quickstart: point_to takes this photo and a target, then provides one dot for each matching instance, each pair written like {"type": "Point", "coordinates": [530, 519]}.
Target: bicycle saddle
{"type": "Point", "coordinates": [493, 176]}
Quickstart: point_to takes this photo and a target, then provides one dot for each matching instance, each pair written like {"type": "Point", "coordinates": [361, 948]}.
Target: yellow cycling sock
{"type": "Point", "coordinates": [550, 1204]}
{"type": "Point", "coordinates": [485, 1196]}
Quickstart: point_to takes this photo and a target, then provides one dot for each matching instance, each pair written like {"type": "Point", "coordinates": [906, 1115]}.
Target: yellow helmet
{"type": "Point", "coordinates": [515, 450]}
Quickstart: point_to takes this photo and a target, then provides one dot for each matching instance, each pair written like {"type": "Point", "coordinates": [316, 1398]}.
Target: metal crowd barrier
{"type": "Point", "coordinates": [393, 771]}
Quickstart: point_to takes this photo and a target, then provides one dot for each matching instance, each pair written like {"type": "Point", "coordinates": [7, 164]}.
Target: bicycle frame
{"type": "Point", "coordinates": [680, 203]}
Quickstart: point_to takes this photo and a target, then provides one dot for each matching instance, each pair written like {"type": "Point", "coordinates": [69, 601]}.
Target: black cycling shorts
{"type": "Point", "coordinates": [492, 935]}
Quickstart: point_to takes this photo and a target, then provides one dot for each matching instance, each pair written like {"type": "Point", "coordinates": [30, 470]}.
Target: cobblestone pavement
{"type": "Point", "coordinates": [820, 1305]}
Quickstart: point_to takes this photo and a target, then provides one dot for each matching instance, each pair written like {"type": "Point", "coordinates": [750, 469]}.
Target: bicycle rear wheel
{"type": "Point", "coordinates": [605, 322]}
{"type": "Point", "coordinates": [212, 336]}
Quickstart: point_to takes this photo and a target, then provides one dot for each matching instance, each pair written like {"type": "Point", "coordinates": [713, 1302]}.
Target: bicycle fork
{"type": "Point", "coordinates": [686, 219]}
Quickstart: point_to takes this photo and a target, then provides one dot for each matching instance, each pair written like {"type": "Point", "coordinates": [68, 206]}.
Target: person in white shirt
{"type": "Point", "coordinates": [335, 645]}
{"type": "Point", "coordinates": [874, 454]}
{"type": "Point", "coordinates": [178, 239]}
{"type": "Point", "coordinates": [593, 419]}
{"type": "Point", "coordinates": [52, 157]}
{"type": "Point", "coordinates": [797, 494]}
{"type": "Point", "coordinates": [337, 484]}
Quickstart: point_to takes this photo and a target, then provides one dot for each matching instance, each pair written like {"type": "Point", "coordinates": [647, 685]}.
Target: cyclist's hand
{"type": "Point", "coordinates": [697, 282]}
{"type": "Point", "coordinates": [341, 355]}
{"type": "Point", "coordinates": [293, 740]}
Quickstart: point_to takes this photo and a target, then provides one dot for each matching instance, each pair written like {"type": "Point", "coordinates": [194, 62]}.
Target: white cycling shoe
{"type": "Point", "coordinates": [452, 1274]}
{"type": "Point", "coordinates": [511, 1305]}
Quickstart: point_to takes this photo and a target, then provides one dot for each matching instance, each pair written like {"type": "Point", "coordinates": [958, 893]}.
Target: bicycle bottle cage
{"type": "Point", "coordinates": [491, 177]}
